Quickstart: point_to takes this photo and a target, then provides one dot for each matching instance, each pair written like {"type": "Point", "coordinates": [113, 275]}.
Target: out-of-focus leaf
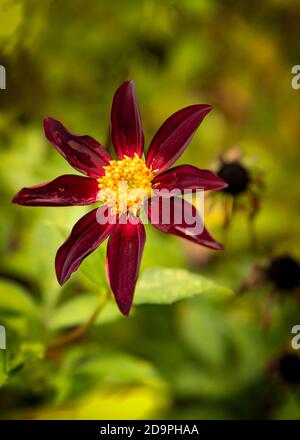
{"type": "Point", "coordinates": [113, 368]}
{"type": "Point", "coordinates": [84, 367]}
{"type": "Point", "coordinates": [3, 366]}
{"type": "Point", "coordinates": [172, 256]}
{"type": "Point", "coordinates": [208, 341]}
{"type": "Point", "coordinates": [14, 299]}
{"type": "Point", "coordinates": [93, 267]}
{"type": "Point", "coordinates": [79, 310]}
{"type": "Point", "coordinates": [166, 286]}
{"type": "Point", "coordinates": [223, 349]}
{"type": "Point", "coordinates": [28, 354]}
{"type": "Point", "coordinates": [111, 403]}
{"type": "Point", "coordinates": [10, 17]}
{"type": "Point", "coordinates": [289, 409]}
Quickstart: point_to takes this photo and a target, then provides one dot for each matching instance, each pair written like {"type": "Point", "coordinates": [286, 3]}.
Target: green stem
{"type": "Point", "coordinates": [78, 332]}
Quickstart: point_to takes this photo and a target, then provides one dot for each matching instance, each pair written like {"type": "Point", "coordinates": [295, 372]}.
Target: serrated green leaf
{"type": "Point", "coordinates": [166, 286]}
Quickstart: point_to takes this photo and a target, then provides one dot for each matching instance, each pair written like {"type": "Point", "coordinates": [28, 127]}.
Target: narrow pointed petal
{"type": "Point", "coordinates": [63, 191]}
{"type": "Point", "coordinates": [126, 126]}
{"type": "Point", "coordinates": [85, 237]}
{"type": "Point", "coordinates": [178, 217]}
{"type": "Point", "coordinates": [188, 177]}
{"type": "Point", "coordinates": [124, 253]}
{"type": "Point", "coordinates": [84, 153]}
{"type": "Point", "coordinates": [174, 135]}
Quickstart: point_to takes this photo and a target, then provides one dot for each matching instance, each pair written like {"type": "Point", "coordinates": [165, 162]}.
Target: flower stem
{"type": "Point", "coordinates": [78, 332]}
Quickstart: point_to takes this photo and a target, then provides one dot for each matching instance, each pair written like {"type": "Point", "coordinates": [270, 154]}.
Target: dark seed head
{"type": "Point", "coordinates": [236, 176]}
{"type": "Point", "coordinates": [289, 368]}
{"type": "Point", "coordinates": [284, 271]}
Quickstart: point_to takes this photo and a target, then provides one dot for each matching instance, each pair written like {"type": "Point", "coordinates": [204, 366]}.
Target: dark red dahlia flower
{"type": "Point", "coordinates": [124, 227]}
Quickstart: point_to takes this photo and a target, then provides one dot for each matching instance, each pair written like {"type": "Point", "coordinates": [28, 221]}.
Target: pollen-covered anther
{"type": "Point", "coordinates": [126, 184]}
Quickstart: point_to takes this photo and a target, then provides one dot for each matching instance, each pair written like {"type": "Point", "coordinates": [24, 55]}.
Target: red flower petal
{"type": "Point", "coordinates": [84, 153]}
{"type": "Point", "coordinates": [188, 177]}
{"type": "Point", "coordinates": [183, 221]}
{"type": "Point", "coordinates": [86, 236]}
{"type": "Point", "coordinates": [124, 253]}
{"type": "Point", "coordinates": [126, 126]}
{"type": "Point", "coordinates": [63, 191]}
{"type": "Point", "coordinates": [174, 135]}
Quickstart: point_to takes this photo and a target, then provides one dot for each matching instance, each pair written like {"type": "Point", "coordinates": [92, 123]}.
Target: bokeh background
{"type": "Point", "coordinates": [195, 346]}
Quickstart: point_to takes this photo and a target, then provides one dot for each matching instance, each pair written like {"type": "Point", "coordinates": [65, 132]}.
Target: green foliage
{"type": "Point", "coordinates": [78, 311]}
{"type": "Point", "coordinates": [15, 300]}
{"type": "Point", "coordinates": [192, 348]}
{"type": "Point", "coordinates": [166, 286]}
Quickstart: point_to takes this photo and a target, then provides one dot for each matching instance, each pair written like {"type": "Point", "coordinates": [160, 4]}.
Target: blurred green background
{"type": "Point", "coordinates": [193, 347]}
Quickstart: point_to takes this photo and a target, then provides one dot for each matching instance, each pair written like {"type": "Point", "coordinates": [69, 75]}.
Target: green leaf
{"type": "Point", "coordinates": [166, 286]}
{"type": "Point", "coordinates": [15, 299]}
{"type": "Point", "coordinates": [11, 17]}
{"type": "Point", "coordinates": [198, 315]}
{"type": "Point", "coordinates": [3, 367]}
{"type": "Point", "coordinates": [111, 367]}
{"type": "Point", "coordinates": [93, 267]}
{"type": "Point", "coordinates": [79, 310]}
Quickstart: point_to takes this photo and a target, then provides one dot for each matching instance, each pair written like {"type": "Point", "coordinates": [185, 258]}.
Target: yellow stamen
{"type": "Point", "coordinates": [126, 184]}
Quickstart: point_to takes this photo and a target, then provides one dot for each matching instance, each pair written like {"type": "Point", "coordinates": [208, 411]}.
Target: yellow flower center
{"type": "Point", "coordinates": [126, 184]}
